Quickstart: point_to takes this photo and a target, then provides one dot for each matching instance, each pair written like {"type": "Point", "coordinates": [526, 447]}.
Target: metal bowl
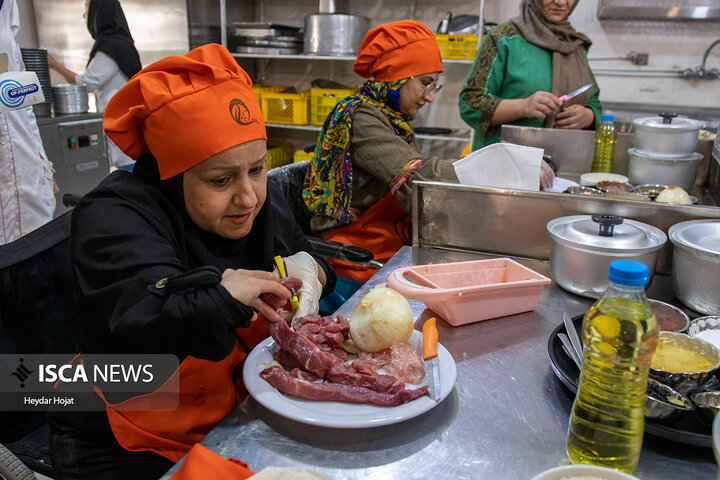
{"type": "Point", "coordinates": [663, 404]}
{"type": "Point", "coordinates": [707, 403]}
{"type": "Point", "coordinates": [614, 186]}
{"type": "Point", "coordinates": [652, 190]}
{"type": "Point", "coordinates": [669, 317]}
{"type": "Point", "coordinates": [587, 191]}
{"type": "Point", "coordinates": [704, 324]}
{"type": "Point", "coordinates": [685, 382]}
{"type": "Point", "coordinates": [627, 196]}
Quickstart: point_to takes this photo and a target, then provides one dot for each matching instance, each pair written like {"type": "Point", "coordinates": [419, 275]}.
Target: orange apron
{"type": "Point", "coordinates": [207, 393]}
{"type": "Point", "coordinates": [380, 229]}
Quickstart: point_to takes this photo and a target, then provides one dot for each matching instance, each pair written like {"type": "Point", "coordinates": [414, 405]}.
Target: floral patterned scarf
{"type": "Point", "coordinates": [328, 182]}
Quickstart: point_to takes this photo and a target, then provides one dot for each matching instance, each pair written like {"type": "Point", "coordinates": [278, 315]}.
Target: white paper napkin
{"type": "Point", "coordinates": [501, 165]}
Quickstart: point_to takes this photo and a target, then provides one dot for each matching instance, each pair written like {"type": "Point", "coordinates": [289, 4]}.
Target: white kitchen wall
{"type": "Point", "coordinates": [159, 28]}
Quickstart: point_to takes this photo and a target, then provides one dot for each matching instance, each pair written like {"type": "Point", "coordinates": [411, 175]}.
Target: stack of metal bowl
{"type": "Point", "coordinates": [696, 264]}
{"type": "Point", "coordinates": [36, 60]}
{"type": "Point", "coordinates": [664, 151]}
{"type": "Point", "coordinates": [70, 98]}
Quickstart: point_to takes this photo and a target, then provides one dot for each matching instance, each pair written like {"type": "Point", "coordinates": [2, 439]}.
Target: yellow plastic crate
{"type": "Point", "coordinates": [258, 90]}
{"type": "Point", "coordinates": [286, 108]}
{"type": "Point", "coordinates": [300, 156]}
{"type": "Point", "coordinates": [278, 155]}
{"type": "Point", "coordinates": [457, 47]}
{"type": "Point", "coordinates": [322, 100]}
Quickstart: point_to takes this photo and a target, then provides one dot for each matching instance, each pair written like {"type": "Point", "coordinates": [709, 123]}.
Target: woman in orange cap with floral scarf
{"type": "Point", "coordinates": [358, 184]}
{"type": "Point", "coordinates": [174, 258]}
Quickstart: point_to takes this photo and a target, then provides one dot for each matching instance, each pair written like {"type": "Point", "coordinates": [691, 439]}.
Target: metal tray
{"type": "Point", "coordinates": [268, 50]}
{"type": "Point", "coordinates": [689, 428]}
{"type": "Point", "coordinates": [263, 29]}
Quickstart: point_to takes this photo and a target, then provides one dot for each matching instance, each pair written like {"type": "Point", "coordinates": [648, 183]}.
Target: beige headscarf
{"type": "Point", "coordinates": [569, 68]}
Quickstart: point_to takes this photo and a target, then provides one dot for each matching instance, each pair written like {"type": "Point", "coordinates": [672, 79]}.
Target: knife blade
{"type": "Point", "coordinates": [573, 335]}
{"type": "Point", "coordinates": [281, 268]}
{"type": "Point", "coordinates": [432, 365]}
{"type": "Point", "coordinates": [575, 93]}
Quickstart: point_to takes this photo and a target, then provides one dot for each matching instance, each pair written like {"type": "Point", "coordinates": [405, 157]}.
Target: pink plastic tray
{"type": "Point", "coordinates": [466, 292]}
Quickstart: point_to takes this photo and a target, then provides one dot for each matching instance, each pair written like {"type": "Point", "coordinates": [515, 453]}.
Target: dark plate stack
{"type": "Point", "coordinates": [265, 38]}
{"type": "Point", "coordinates": [36, 60]}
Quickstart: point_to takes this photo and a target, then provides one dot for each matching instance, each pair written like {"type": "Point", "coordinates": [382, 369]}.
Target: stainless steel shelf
{"type": "Point", "coordinates": [461, 136]}
{"type": "Point", "coordinates": [301, 56]}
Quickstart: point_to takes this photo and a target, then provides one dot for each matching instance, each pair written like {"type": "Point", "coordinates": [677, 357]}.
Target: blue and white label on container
{"type": "Point", "coordinates": [19, 90]}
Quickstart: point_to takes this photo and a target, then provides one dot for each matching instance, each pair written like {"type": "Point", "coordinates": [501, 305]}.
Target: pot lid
{"type": "Point", "coordinates": [701, 235]}
{"type": "Point", "coordinates": [606, 233]}
{"type": "Point", "coordinates": [690, 157]}
{"type": "Point", "coordinates": [669, 122]}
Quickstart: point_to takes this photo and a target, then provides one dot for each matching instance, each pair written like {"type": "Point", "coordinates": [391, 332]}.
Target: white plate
{"type": "Point", "coordinates": [339, 414]}
{"type": "Point", "coordinates": [560, 185]}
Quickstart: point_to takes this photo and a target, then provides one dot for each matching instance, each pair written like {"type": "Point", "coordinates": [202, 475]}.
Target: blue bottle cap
{"type": "Point", "coordinates": [608, 118]}
{"type": "Point", "coordinates": [628, 272]}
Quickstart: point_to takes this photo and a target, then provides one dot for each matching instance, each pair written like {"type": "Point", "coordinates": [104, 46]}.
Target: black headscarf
{"type": "Point", "coordinates": [254, 251]}
{"type": "Point", "coordinates": [107, 25]}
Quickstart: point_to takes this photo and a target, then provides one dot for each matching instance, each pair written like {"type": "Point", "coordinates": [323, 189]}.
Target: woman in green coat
{"type": "Point", "coordinates": [522, 69]}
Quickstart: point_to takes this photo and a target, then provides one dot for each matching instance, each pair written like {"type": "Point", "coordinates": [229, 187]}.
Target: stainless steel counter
{"type": "Point", "coordinates": [506, 418]}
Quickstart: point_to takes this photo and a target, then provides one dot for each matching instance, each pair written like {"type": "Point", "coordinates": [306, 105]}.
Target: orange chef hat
{"type": "Point", "coordinates": [397, 50]}
{"type": "Point", "coordinates": [184, 109]}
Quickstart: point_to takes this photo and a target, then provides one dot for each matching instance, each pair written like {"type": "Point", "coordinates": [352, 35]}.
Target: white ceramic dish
{"type": "Point", "coordinates": [590, 179]}
{"type": "Point", "coordinates": [560, 185]}
{"type": "Point", "coordinates": [593, 471]}
{"type": "Point", "coordinates": [337, 414]}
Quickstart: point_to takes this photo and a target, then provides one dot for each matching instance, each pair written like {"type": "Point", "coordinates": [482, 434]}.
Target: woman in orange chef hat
{"type": "Point", "coordinates": [358, 184]}
{"type": "Point", "coordinates": [174, 258]}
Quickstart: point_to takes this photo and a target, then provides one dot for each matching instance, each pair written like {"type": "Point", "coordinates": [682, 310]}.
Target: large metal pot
{"type": "Point", "coordinates": [696, 264]}
{"type": "Point", "coordinates": [645, 168]}
{"type": "Point", "coordinates": [334, 33]}
{"type": "Point", "coordinates": [667, 136]}
{"type": "Point", "coordinates": [583, 247]}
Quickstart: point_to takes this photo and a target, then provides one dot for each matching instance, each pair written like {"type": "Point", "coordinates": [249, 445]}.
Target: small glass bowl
{"type": "Point", "coordinates": [669, 317]}
{"type": "Point", "coordinates": [651, 190]}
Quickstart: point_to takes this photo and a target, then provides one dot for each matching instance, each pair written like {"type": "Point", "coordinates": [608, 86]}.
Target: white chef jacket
{"type": "Point", "coordinates": [26, 190]}
{"type": "Point", "coordinates": [104, 78]}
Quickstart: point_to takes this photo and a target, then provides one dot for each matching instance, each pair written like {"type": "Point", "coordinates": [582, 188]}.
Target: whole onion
{"type": "Point", "coordinates": [382, 318]}
{"type": "Point", "coordinates": [674, 194]}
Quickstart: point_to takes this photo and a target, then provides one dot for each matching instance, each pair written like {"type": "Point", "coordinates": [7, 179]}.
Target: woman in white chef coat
{"type": "Point", "coordinates": [113, 61]}
{"type": "Point", "coordinates": [27, 200]}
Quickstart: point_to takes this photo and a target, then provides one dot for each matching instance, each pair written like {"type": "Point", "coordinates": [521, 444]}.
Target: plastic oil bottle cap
{"type": "Point", "coordinates": [608, 118]}
{"type": "Point", "coordinates": [628, 272]}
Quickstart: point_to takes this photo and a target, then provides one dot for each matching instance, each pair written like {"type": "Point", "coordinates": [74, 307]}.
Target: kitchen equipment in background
{"type": "Point", "coordinates": [444, 23]}
{"type": "Point", "coordinates": [646, 168]}
{"type": "Point", "coordinates": [330, 32]}
{"type": "Point", "coordinates": [35, 60]}
{"type": "Point", "coordinates": [664, 151]}
{"type": "Point", "coordinates": [466, 292]}
{"type": "Point", "coordinates": [75, 144]}
{"type": "Point", "coordinates": [696, 264]}
{"type": "Point", "coordinates": [666, 136]}
{"type": "Point", "coordinates": [463, 25]}
{"type": "Point", "coordinates": [591, 179]}
{"type": "Point", "coordinates": [70, 98]}
{"type": "Point", "coordinates": [266, 38]}
{"type": "Point", "coordinates": [583, 247]}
